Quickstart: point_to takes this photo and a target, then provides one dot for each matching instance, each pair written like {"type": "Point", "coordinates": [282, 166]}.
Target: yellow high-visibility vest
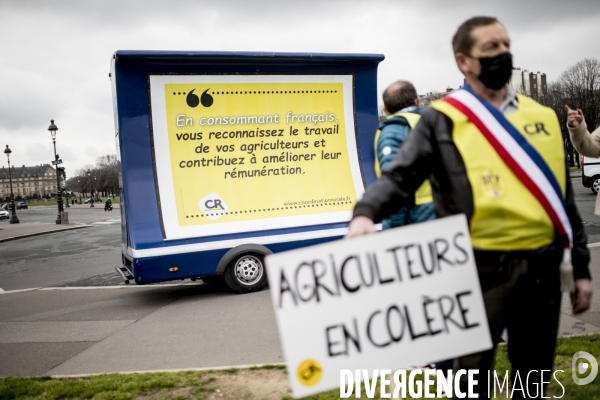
{"type": "Point", "coordinates": [506, 215]}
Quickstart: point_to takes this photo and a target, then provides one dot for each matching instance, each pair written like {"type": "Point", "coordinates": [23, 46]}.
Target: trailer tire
{"type": "Point", "coordinates": [246, 273]}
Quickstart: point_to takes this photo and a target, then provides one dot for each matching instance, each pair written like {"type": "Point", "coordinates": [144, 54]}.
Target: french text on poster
{"type": "Point", "coordinates": [245, 153]}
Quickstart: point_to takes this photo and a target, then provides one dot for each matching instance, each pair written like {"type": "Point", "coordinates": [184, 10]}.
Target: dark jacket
{"type": "Point", "coordinates": [430, 152]}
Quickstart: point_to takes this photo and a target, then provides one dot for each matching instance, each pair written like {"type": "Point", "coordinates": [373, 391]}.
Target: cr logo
{"type": "Point", "coordinates": [536, 128]}
{"type": "Point", "coordinates": [212, 204]}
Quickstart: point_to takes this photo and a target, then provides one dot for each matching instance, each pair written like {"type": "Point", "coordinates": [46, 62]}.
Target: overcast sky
{"type": "Point", "coordinates": [55, 55]}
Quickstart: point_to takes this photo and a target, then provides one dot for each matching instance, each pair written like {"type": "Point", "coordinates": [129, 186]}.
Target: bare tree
{"type": "Point", "coordinates": [98, 180]}
{"type": "Point", "coordinates": [580, 85]}
{"type": "Point", "coordinates": [107, 173]}
{"type": "Point", "coordinates": [579, 88]}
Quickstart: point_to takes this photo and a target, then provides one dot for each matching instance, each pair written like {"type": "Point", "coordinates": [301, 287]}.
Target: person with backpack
{"type": "Point", "coordinates": [402, 107]}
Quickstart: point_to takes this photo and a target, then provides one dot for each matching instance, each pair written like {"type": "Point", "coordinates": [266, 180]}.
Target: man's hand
{"type": "Point", "coordinates": [574, 117]}
{"type": "Point", "coordinates": [581, 300]}
{"type": "Point", "coordinates": [360, 226]}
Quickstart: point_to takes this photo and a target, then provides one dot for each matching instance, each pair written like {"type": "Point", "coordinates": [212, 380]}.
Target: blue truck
{"type": "Point", "coordinates": [226, 157]}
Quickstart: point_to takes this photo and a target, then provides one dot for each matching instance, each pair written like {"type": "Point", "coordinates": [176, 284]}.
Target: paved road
{"type": "Point", "coordinates": [87, 257]}
{"type": "Point", "coordinates": [78, 214]}
{"type": "Point", "coordinates": [74, 331]}
{"type": "Point", "coordinates": [69, 330]}
{"type": "Point", "coordinates": [83, 257]}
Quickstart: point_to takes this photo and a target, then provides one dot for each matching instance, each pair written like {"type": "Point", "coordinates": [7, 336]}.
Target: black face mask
{"type": "Point", "coordinates": [496, 71]}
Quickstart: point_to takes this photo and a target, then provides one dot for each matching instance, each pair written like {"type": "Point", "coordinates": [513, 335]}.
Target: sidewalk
{"type": "Point", "coordinates": [24, 229]}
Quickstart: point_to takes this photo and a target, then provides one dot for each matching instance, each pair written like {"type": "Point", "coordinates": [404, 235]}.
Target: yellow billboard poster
{"type": "Point", "coordinates": [244, 153]}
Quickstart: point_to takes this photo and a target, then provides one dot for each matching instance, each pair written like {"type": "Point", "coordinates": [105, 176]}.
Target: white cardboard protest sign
{"type": "Point", "coordinates": [399, 298]}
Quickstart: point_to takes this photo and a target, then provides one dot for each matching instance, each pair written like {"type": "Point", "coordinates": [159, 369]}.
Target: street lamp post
{"type": "Point", "coordinates": [13, 218]}
{"type": "Point", "coordinates": [53, 128]}
{"type": "Point", "coordinates": [66, 189]}
{"type": "Point", "coordinates": [89, 174]}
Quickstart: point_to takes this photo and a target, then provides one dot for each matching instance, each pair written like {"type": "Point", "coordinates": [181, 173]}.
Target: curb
{"type": "Point", "coordinates": [119, 287]}
{"type": "Point", "coordinates": [8, 239]}
{"type": "Point", "coordinates": [246, 366]}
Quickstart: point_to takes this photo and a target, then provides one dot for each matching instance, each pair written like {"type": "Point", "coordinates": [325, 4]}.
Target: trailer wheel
{"type": "Point", "coordinates": [246, 273]}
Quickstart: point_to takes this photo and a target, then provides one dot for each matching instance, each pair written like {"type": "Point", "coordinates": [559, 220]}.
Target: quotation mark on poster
{"type": "Point", "coordinates": [193, 101]}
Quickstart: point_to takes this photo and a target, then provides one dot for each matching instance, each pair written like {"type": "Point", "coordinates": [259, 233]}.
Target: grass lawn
{"type": "Point", "coordinates": [268, 382]}
{"type": "Point", "coordinates": [110, 386]}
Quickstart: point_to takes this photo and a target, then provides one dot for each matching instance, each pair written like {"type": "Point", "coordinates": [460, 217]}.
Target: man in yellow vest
{"type": "Point", "coordinates": [401, 105]}
{"type": "Point", "coordinates": [518, 240]}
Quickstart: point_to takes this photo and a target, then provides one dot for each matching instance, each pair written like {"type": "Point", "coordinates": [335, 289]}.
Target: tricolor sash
{"type": "Point", "coordinates": [526, 164]}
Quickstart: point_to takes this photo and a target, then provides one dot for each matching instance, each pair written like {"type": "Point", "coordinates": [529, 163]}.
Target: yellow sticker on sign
{"type": "Point", "coordinates": [246, 151]}
{"type": "Point", "coordinates": [309, 372]}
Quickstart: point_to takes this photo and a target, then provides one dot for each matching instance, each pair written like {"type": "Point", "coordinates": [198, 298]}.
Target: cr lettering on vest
{"type": "Point", "coordinates": [216, 204]}
{"type": "Point", "coordinates": [533, 129]}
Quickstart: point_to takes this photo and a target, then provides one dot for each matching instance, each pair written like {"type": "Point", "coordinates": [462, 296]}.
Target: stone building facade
{"type": "Point", "coordinates": [30, 181]}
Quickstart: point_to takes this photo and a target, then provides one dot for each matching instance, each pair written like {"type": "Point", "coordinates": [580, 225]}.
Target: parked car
{"type": "Point", "coordinates": [96, 200]}
{"type": "Point", "coordinates": [22, 205]}
{"type": "Point", "coordinates": [4, 214]}
{"type": "Point", "coordinates": [590, 174]}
